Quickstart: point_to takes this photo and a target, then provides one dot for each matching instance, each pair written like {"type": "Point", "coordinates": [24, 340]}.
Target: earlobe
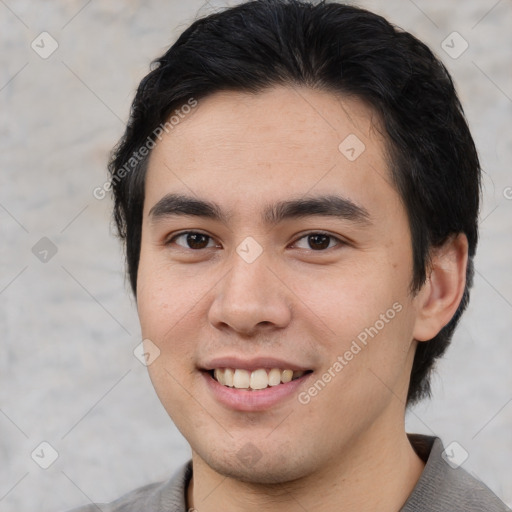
{"type": "Point", "coordinates": [441, 294]}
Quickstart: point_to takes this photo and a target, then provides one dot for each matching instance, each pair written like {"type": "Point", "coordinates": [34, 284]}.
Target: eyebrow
{"type": "Point", "coordinates": [326, 205]}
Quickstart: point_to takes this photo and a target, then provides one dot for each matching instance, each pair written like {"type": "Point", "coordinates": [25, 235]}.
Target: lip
{"type": "Point", "coordinates": [252, 364]}
{"type": "Point", "coordinates": [252, 401]}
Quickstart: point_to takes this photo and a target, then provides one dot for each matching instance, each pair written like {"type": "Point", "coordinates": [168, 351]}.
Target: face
{"type": "Point", "coordinates": [315, 289]}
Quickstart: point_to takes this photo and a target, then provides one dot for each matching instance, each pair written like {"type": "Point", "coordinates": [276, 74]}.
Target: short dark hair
{"type": "Point", "coordinates": [345, 50]}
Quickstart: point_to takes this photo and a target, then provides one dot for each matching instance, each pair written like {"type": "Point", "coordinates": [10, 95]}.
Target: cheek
{"type": "Point", "coordinates": [348, 299]}
{"type": "Point", "coordinates": [170, 312]}
{"type": "Point", "coordinates": [361, 315]}
{"type": "Point", "coordinates": [160, 296]}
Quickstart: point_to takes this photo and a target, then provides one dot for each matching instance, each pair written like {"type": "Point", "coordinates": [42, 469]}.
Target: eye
{"type": "Point", "coordinates": [318, 241]}
{"type": "Point", "coordinates": [193, 240]}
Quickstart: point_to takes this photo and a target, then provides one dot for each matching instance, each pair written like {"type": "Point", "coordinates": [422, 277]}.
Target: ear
{"type": "Point", "coordinates": [440, 296]}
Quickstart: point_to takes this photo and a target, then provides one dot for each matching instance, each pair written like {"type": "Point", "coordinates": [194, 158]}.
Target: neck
{"type": "Point", "coordinates": [377, 472]}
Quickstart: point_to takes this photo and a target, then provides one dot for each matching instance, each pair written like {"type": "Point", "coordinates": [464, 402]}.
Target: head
{"type": "Point", "coordinates": [266, 99]}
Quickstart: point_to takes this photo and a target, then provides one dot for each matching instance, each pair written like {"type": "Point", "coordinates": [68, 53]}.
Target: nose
{"type": "Point", "coordinates": [250, 298]}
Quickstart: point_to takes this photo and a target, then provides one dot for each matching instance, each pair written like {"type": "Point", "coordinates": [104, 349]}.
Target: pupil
{"type": "Point", "coordinates": [192, 240]}
{"type": "Point", "coordinates": [316, 238]}
{"type": "Point", "coordinates": [320, 241]}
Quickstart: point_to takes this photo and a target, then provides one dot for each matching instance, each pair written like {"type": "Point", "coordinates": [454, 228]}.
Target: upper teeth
{"type": "Point", "coordinates": [258, 379]}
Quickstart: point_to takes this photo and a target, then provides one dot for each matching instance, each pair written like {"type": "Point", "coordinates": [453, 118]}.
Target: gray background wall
{"type": "Point", "coordinates": [69, 326]}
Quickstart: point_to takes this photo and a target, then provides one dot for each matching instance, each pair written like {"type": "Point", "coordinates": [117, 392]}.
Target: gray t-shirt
{"type": "Point", "coordinates": [441, 488]}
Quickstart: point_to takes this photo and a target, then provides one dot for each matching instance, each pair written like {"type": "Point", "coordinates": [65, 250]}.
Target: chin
{"type": "Point", "coordinates": [247, 465]}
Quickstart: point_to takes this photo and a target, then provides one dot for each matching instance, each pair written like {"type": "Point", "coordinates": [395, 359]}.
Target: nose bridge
{"type": "Point", "coordinates": [250, 294]}
{"type": "Point", "coordinates": [248, 271]}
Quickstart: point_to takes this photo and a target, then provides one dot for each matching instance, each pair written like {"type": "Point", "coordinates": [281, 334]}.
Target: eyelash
{"type": "Point", "coordinates": [311, 233]}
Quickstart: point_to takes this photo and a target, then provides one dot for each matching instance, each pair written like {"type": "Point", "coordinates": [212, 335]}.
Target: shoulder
{"type": "Point", "coordinates": [168, 496]}
{"type": "Point", "coordinates": [129, 502]}
{"type": "Point", "coordinates": [445, 485]}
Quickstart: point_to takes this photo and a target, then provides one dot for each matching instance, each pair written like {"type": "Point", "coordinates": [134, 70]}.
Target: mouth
{"type": "Point", "coordinates": [255, 380]}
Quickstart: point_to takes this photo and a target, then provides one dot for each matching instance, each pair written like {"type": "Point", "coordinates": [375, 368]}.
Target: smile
{"type": "Point", "coordinates": [254, 380]}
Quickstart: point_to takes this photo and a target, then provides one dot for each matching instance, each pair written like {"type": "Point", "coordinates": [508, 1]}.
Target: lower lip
{"type": "Point", "coordinates": [258, 400]}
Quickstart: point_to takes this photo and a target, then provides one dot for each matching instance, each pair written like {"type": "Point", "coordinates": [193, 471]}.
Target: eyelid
{"type": "Point", "coordinates": [340, 241]}
{"type": "Point", "coordinates": [169, 240]}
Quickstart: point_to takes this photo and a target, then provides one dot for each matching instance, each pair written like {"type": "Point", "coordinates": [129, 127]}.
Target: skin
{"type": "Point", "coordinates": [348, 444]}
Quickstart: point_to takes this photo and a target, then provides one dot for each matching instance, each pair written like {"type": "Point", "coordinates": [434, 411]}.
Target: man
{"type": "Point", "coordinates": [298, 192]}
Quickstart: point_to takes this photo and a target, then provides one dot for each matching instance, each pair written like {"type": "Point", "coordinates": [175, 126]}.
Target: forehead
{"type": "Point", "coordinates": [245, 148]}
